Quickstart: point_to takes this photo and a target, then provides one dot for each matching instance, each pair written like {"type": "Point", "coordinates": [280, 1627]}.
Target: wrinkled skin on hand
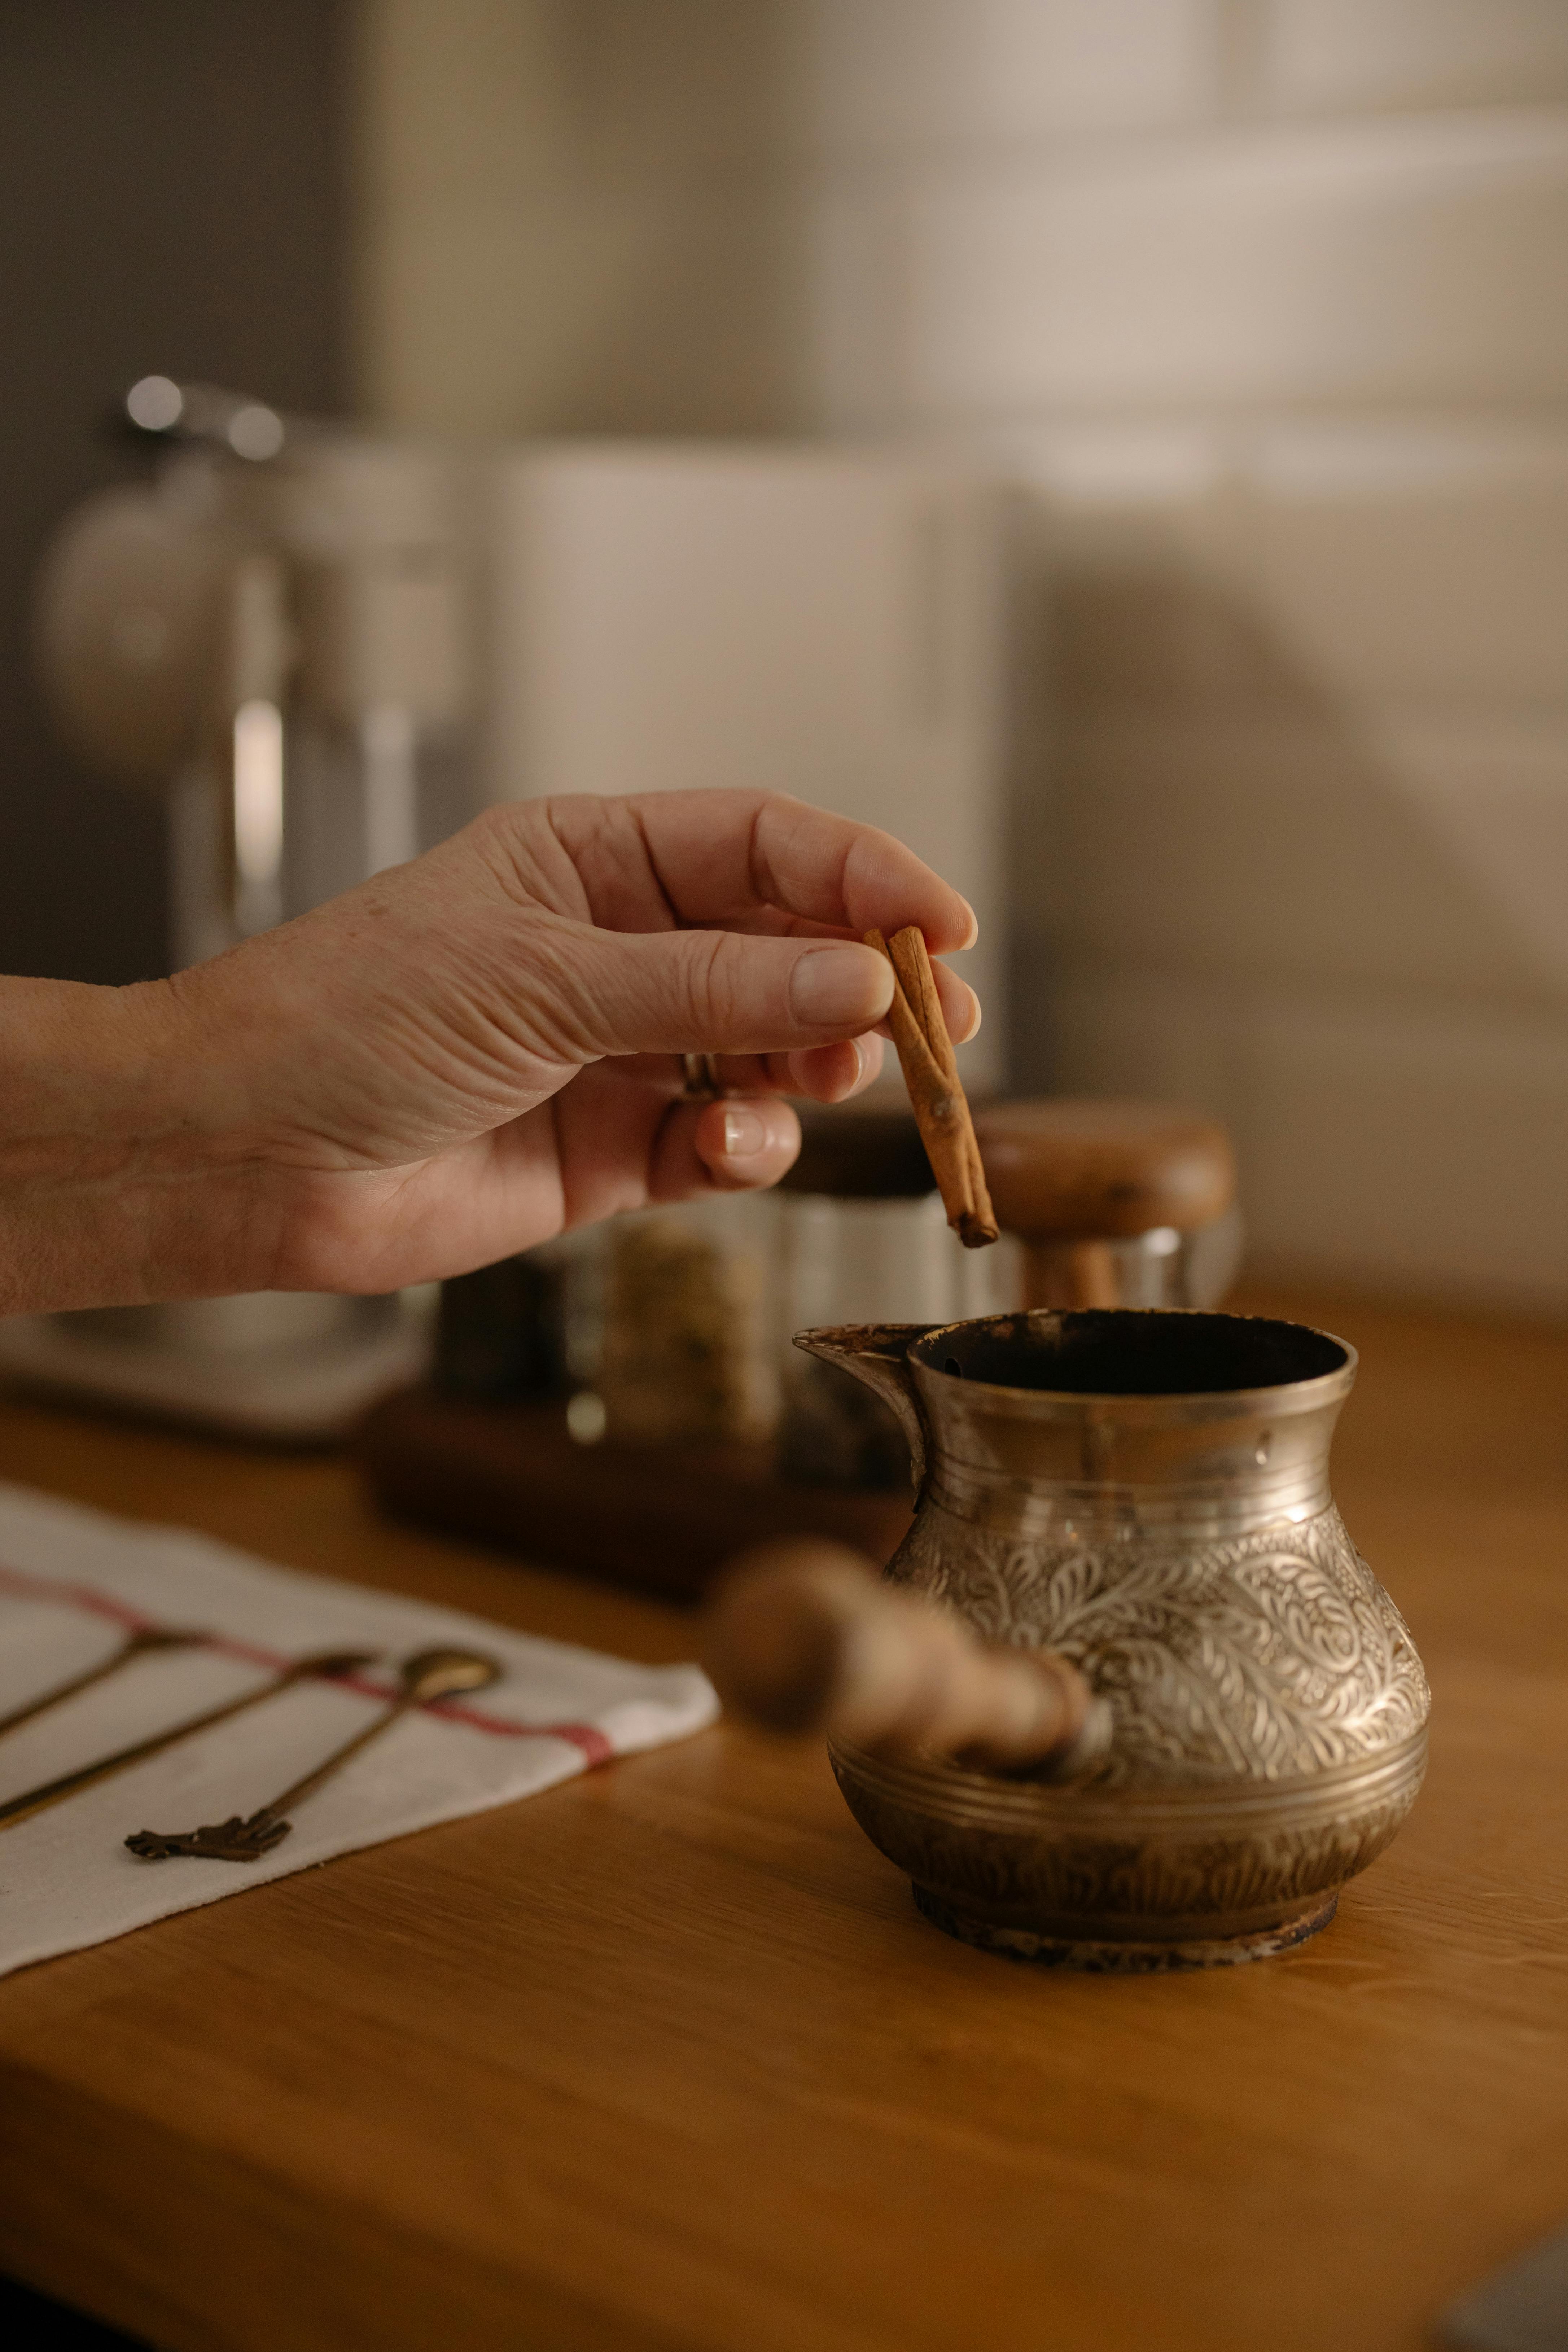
{"type": "Point", "coordinates": [468, 1054]}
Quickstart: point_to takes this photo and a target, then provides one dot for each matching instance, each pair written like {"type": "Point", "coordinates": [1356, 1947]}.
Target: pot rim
{"type": "Point", "coordinates": [1273, 1399]}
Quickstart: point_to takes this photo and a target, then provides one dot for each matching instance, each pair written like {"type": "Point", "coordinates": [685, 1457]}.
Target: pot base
{"type": "Point", "coordinates": [1116, 1959]}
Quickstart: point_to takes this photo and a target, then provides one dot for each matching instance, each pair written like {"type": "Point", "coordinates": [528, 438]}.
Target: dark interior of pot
{"type": "Point", "coordinates": [1126, 1351]}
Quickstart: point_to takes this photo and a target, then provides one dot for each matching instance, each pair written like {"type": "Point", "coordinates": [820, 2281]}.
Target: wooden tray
{"type": "Point", "coordinates": [659, 1519]}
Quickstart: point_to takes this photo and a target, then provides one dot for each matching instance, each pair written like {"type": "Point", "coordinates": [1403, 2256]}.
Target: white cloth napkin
{"type": "Point", "coordinates": [73, 1582]}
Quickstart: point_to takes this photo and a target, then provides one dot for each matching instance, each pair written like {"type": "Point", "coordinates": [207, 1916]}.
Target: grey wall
{"type": "Point", "coordinates": [172, 197]}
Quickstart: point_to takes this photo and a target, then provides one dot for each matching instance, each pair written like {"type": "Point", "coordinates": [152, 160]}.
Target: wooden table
{"type": "Point", "coordinates": [665, 2058]}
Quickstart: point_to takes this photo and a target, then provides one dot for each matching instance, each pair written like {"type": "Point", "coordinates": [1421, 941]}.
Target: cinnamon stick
{"type": "Point", "coordinates": [936, 1092]}
{"type": "Point", "coordinates": [910, 962]}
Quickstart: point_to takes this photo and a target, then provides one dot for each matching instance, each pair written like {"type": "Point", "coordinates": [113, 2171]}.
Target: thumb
{"type": "Point", "coordinates": [725, 991]}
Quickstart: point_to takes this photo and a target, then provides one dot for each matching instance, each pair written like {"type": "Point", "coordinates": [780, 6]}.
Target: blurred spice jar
{"type": "Point", "coordinates": [685, 1351]}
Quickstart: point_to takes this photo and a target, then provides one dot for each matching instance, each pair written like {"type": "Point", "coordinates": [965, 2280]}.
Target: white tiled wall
{"type": "Point", "coordinates": [1417, 562]}
{"type": "Point", "coordinates": [1374, 1129]}
{"type": "Point", "coordinates": [889, 76]}
{"type": "Point", "coordinates": [1323, 54]}
{"type": "Point", "coordinates": [1364, 261]}
{"type": "Point", "coordinates": [1267, 300]}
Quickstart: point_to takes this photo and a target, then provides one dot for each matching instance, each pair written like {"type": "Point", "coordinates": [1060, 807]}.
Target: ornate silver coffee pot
{"type": "Point", "coordinates": [1148, 1495]}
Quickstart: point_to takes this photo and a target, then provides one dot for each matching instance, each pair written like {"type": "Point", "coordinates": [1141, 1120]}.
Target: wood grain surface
{"type": "Point", "coordinates": [665, 2058]}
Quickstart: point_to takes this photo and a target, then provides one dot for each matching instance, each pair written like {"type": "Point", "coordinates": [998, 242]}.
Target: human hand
{"type": "Point", "coordinates": [471, 1052]}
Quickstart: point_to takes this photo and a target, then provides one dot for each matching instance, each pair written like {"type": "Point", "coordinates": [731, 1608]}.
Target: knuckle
{"type": "Point", "coordinates": [498, 838]}
{"type": "Point", "coordinates": [714, 969]}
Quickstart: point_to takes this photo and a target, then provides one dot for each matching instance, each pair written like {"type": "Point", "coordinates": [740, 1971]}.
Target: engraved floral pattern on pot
{"type": "Point", "coordinates": [1276, 1653]}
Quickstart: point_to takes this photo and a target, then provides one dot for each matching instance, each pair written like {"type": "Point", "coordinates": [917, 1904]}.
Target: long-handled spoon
{"type": "Point", "coordinates": [140, 1644]}
{"type": "Point", "coordinates": [328, 1664]}
{"type": "Point", "coordinates": [431, 1674]}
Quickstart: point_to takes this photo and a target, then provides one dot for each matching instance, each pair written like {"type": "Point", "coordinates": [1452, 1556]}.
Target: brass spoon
{"type": "Point", "coordinates": [328, 1666]}
{"type": "Point", "coordinates": [140, 1644]}
{"type": "Point", "coordinates": [429, 1675]}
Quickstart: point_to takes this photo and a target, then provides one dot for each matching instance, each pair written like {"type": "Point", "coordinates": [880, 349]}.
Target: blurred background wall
{"type": "Point", "coordinates": [581, 216]}
{"type": "Point", "coordinates": [173, 197]}
{"type": "Point", "coordinates": [1265, 302]}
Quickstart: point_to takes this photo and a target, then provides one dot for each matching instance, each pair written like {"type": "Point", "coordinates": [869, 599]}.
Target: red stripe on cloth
{"type": "Point", "coordinates": [595, 1746]}
{"type": "Point", "coordinates": [76, 1596]}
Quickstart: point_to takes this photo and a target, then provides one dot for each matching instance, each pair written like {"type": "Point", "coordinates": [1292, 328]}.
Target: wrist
{"type": "Point", "coordinates": [109, 1193]}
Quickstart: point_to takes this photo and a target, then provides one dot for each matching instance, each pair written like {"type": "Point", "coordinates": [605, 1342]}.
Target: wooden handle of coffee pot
{"type": "Point", "coordinates": [803, 1637]}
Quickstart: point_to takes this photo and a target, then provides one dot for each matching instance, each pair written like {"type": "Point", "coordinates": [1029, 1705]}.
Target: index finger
{"type": "Point", "coordinates": [729, 858]}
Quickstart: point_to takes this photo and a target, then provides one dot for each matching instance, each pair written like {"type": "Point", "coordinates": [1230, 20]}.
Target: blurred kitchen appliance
{"type": "Point", "coordinates": [826, 621]}
{"type": "Point", "coordinates": [276, 634]}
{"type": "Point", "coordinates": [272, 635]}
{"type": "Point", "coordinates": [326, 648]}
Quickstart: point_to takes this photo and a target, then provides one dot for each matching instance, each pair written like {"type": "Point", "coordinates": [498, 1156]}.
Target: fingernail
{"type": "Point", "coordinates": [744, 1134]}
{"type": "Point", "coordinates": [833, 987]}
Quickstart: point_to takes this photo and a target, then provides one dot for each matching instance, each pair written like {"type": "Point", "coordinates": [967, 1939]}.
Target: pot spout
{"type": "Point", "coordinates": [878, 1353]}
